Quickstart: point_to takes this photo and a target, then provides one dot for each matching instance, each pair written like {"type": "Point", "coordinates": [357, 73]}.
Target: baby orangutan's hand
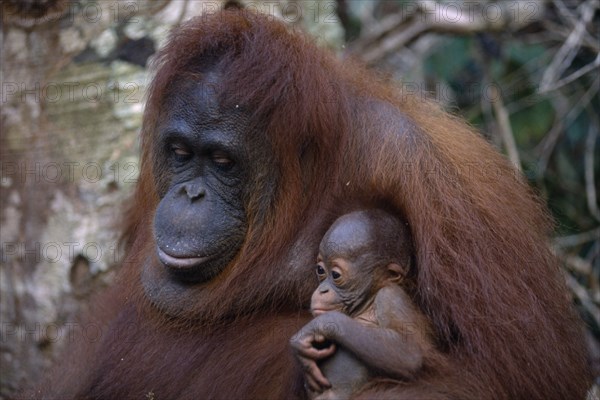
{"type": "Point", "coordinates": [308, 346]}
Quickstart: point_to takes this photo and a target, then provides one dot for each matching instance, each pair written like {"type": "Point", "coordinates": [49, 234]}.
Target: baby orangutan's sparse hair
{"type": "Point", "coordinates": [385, 238]}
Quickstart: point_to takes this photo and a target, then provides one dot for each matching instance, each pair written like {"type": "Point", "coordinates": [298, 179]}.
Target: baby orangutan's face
{"type": "Point", "coordinates": [348, 268]}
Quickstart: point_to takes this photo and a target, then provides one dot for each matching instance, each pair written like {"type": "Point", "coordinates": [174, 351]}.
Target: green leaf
{"type": "Point", "coordinates": [530, 124]}
{"type": "Point", "coordinates": [451, 58]}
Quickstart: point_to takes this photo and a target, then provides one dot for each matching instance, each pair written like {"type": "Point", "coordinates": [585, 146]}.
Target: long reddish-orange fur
{"type": "Point", "coordinates": [341, 136]}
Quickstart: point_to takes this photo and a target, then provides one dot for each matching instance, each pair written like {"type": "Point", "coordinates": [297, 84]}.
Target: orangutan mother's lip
{"type": "Point", "coordinates": [180, 262]}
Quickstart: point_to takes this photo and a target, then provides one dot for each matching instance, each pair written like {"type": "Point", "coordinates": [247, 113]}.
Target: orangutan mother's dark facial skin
{"type": "Point", "coordinates": [201, 221]}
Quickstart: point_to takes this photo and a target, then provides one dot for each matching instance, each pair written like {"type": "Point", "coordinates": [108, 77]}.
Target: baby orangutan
{"type": "Point", "coordinates": [366, 325]}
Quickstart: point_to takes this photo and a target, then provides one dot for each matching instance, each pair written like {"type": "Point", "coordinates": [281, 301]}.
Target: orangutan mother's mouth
{"type": "Point", "coordinates": [180, 263]}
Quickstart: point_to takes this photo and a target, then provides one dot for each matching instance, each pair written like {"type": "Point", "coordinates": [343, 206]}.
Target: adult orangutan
{"type": "Point", "coordinates": [254, 141]}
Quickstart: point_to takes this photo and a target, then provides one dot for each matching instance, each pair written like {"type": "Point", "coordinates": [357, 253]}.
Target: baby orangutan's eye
{"type": "Point", "coordinates": [320, 270]}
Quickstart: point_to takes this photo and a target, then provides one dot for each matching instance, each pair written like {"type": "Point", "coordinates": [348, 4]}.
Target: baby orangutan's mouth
{"type": "Point", "coordinates": [319, 311]}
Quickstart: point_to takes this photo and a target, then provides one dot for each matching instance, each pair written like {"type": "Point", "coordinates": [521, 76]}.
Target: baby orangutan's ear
{"type": "Point", "coordinates": [396, 272]}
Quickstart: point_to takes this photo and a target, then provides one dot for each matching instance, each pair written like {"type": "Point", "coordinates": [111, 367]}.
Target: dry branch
{"type": "Point", "coordinates": [565, 55]}
{"type": "Point", "coordinates": [506, 132]}
{"type": "Point", "coordinates": [431, 16]}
